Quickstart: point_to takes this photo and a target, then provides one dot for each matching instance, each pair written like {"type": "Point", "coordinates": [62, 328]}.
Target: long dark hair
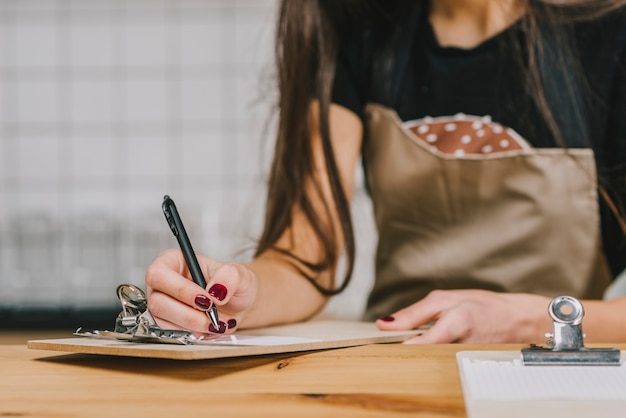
{"type": "Point", "coordinates": [309, 33]}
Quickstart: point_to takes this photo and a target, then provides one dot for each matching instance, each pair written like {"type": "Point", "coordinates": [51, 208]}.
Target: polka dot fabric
{"type": "Point", "coordinates": [462, 135]}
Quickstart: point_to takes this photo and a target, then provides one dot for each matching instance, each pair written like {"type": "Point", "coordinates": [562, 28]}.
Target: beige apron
{"type": "Point", "coordinates": [524, 222]}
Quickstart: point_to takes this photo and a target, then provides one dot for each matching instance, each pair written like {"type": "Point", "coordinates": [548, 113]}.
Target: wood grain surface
{"type": "Point", "coordinates": [379, 380]}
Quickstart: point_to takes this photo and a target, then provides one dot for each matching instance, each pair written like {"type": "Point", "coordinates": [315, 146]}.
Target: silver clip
{"type": "Point", "coordinates": [565, 343]}
{"type": "Point", "coordinates": [136, 323]}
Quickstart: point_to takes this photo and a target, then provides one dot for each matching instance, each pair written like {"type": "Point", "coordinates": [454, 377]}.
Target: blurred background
{"type": "Point", "coordinates": [106, 106]}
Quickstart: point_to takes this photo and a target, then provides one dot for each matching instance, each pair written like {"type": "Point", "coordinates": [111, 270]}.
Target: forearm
{"type": "Point", "coordinates": [284, 294]}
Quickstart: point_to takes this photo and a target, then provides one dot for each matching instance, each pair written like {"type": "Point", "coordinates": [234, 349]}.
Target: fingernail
{"type": "Point", "coordinates": [232, 323]}
{"type": "Point", "coordinates": [218, 331]}
{"type": "Point", "coordinates": [387, 318]}
{"type": "Point", "coordinates": [218, 291]}
{"type": "Point", "coordinates": [202, 302]}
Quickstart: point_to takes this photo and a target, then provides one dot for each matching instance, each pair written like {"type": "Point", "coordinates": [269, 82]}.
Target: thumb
{"type": "Point", "coordinates": [233, 286]}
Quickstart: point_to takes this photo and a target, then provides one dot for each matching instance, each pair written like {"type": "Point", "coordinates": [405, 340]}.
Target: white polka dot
{"type": "Point", "coordinates": [428, 119]}
{"type": "Point", "coordinates": [480, 133]}
{"type": "Point", "coordinates": [497, 129]}
{"type": "Point", "coordinates": [422, 129]}
{"type": "Point", "coordinates": [486, 149]}
{"type": "Point", "coordinates": [466, 139]}
{"type": "Point", "coordinates": [504, 143]}
{"type": "Point", "coordinates": [459, 153]}
{"type": "Point", "coordinates": [486, 119]}
{"type": "Point", "coordinates": [477, 125]}
{"type": "Point", "coordinates": [450, 127]}
{"type": "Point", "coordinates": [431, 138]}
{"type": "Point", "coordinates": [460, 116]}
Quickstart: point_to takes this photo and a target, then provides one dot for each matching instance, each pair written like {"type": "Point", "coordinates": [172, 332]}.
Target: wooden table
{"type": "Point", "coordinates": [389, 380]}
{"type": "Point", "coordinates": [371, 381]}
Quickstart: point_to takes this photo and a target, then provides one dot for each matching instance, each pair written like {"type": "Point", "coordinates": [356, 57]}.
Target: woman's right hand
{"type": "Point", "coordinates": [176, 302]}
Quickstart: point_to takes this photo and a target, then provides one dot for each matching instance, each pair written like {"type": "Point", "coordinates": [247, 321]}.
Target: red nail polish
{"type": "Point", "coordinates": [232, 323]}
{"type": "Point", "coordinates": [218, 331]}
{"type": "Point", "coordinates": [202, 302]}
{"type": "Point", "coordinates": [218, 291]}
{"type": "Point", "coordinates": [387, 318]}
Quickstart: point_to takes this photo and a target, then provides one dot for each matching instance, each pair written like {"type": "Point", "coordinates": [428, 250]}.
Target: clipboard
{"type": "Point", "coordinates": [563, 379]}
{"type": "Point", "coordinates": [306, 336]}
{"type": "Point", "coordinates": [496, 384]}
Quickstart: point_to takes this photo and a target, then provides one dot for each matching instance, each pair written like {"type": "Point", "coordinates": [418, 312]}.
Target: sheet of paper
{"type": "Point", "coordinates": [496, 383]}
{"type": "Point", "coordinates": [258, 340]}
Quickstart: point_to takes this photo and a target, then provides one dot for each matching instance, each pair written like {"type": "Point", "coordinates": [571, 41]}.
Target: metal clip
{"type": "Point", "coordinates": [565, 343]}
{"type": "Point", "coordinates": [136, 323]}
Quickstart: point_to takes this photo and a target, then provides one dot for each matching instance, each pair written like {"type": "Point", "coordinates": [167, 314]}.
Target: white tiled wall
{"type": "Point", "coordinates": [107, 105]}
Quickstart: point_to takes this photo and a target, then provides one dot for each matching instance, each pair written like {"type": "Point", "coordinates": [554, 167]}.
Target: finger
{"type": "Point", "coordinates": [208, 266]}
{"type": "Point", "coordinates": [167, 308]}
{"type": "Point", "coordinates": [224, 328]}
{"type": "Point", "coordinates": [420, 313]}
{"type": "Point", "coordinates": [165, 275]}
{"type": "Point", "coordinates": [173, 259]}
{"type": "Point", "coordinates": [167, 325]}
{"type": "Point", "coordinates": [450, 328]}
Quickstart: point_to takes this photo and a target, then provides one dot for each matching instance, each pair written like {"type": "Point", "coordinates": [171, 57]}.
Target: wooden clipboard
{"type": "Point", "coordinates": [306, 336]}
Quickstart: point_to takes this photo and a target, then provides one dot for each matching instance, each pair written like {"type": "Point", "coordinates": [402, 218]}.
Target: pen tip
{"type": "Point", "coordinates": [212, 314]}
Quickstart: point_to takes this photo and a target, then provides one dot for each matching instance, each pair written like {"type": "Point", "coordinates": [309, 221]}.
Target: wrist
{"type": "Point", "coordinates": [533, 321]}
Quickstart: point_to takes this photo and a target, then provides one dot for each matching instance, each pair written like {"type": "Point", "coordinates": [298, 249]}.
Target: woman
{"type": "Point", "coordinates": [493, 138]}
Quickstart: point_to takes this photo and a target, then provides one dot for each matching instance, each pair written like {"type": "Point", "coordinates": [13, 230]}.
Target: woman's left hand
{"type": "Point", "coordinates": [474, 316]}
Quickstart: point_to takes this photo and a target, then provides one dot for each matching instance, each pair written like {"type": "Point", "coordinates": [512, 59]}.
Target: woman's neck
{"type": "Point", "coordinates": [468, 23]}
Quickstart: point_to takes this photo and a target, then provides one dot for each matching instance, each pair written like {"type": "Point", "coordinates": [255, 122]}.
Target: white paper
{"type": "Point", "coordinates": [256, 340]}
{"type": "Point", "coordinates": [511, 380]}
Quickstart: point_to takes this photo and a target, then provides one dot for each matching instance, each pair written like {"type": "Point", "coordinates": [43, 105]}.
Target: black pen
{"type": "Point", "coordinates": [177, 227]}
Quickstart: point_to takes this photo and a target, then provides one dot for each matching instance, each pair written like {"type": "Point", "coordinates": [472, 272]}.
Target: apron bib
{"type": "Point", "coordinates": [517, 222]}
